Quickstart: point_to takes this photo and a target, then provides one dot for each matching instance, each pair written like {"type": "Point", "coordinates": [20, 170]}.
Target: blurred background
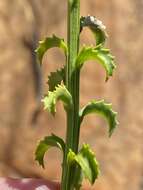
{"type": "Point", "coordinates": [22, 119]}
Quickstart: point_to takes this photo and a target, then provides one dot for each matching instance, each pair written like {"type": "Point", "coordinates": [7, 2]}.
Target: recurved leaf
{"type": "Point", "coordinates": [55, 78]}
{"type": "Point", "coordinates": [99, 54]}
{"type": "Point", "coordinates": [87, 161]}
{"type": "Point", "coordinates": [50, 42]}
{"type": "Point", "coordinates": [97, 28]}
{"type": "Point", "coordinates": [44, 145]}
{"type": "Point", "coordinates": [60, 93]}
{"type": "Point", "coordinates": [103, 109]}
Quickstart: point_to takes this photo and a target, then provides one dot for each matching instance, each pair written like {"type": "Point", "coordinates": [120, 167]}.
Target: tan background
{"type": "Point", "coordinates": [23, 122]}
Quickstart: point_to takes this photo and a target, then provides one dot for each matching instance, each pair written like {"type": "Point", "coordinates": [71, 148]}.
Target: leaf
{"type": "Point", "coordinates": [78, 178]}
{"type": "Point", "coordinates": [103, 109]}
{"type": "Point", "coordinates": [50, 42]}
{"type": "Point", "coordinates": [99, 54]}
{"type": "Point", "coordinates": [60, 93]}
{"type": "Point", "coordinates": [44, 145]}
{"type": "Point", "coordinates": [55, 78]}
{"type": "Point", "coordinates": [87, 161]}
{"type": "Point", "coordinates": [97, 28]}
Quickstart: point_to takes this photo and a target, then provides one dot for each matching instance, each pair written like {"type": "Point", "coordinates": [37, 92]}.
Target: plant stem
{"type": "Point", "coordinates": [72, 84]}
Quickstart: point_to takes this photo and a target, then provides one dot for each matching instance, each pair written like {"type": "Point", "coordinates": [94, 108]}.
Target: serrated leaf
{"type": "Point", "coordinates": [97, 28]}
{"type": "Point", "coordinates": [50, 42]}
{"type": "Point", "coordinates": [87, 161]}
{"type": "Point", "coordinates": [44, 145]}
{"type": "Point", "coordinates": [55, 78]}
{"type": "Point", "coordinates": [99, 54]}
{"type": "Point", "coordinates": [60, 93]}
{"type": "Point", "coordinates": [103, 109]}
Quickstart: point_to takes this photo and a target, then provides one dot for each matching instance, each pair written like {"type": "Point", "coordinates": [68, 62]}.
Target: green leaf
{"type": "Point", "coordinates": [50, 42]}
{"type": "Point", "coordinates": [78, 177]}
{"type": "Point", "coordinates": [97, 28]}
{"type": "Point", "coordinates": [103, 109]}
{"type": "Point", "coordinates": [55, 78]}
{"type": "Point", "coordinates": [99, 54]}
{"type": "Point", "coordinates": [87, 161]}
{"type": "Point", "coordinates": [60, 93]}
{"type": "Point", "coordinates": [44, 145]}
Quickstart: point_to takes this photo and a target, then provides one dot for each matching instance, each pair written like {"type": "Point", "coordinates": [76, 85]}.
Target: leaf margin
{"type": "Point", "coordinates": [101, 108]}
{"type": "Point", "coordinates": [48, 43]}
{"type": "Point", "coordinates": [55, 78]}
{"type": "Point", "coordinates": [99, 54]}
{"type": "Point", "coordinates": [60, 93]}
{"type": "Point", "coordinates": [86, 159]}
{"type": "Point", "coordinates": [96, 27]}
{"type": "Point", "coordinates": [45, 144]}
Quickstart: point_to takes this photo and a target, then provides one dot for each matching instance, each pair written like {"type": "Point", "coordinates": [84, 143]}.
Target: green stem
{"type": "Point", "coordinates": [72, 83]}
